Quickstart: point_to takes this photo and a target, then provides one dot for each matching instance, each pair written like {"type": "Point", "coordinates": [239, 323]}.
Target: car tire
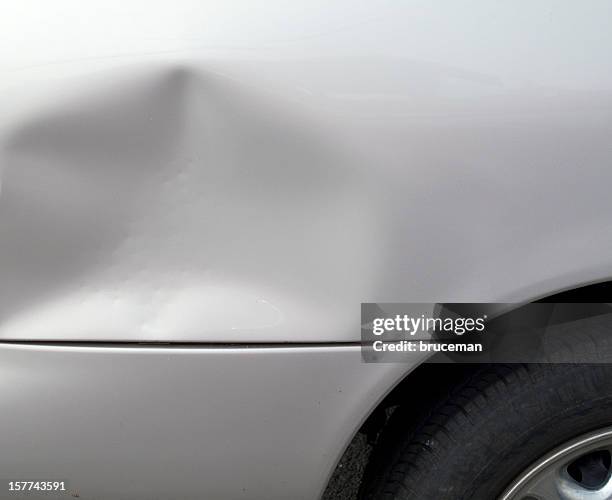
{"type": "Point", "coordinates": [488, 428]}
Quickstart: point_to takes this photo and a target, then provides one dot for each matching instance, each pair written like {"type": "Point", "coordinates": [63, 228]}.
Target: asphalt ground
{"type": "Point", "coordinates": [344, 484]}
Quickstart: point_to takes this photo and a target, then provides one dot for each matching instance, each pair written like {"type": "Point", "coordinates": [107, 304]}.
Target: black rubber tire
{"type": "Point", "coordinates": [487, 429]}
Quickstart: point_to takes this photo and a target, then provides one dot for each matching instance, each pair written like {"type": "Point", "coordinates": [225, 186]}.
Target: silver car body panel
{"type": "Point", "coordinates": [206, 171]}
{"type": "Point", "coordinates": [215, 172]}
{"type": "Point", "coordinates": [192, 423]}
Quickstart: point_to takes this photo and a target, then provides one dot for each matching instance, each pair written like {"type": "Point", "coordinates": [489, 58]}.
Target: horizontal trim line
{"type": "Point", "coordinates": [179, 345]}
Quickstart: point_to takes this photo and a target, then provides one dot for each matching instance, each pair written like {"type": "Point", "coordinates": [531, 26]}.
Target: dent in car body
{"type": "Point", "coordinates": [207, 171]}
{"type": "Point", "coordinates": [184, 189]}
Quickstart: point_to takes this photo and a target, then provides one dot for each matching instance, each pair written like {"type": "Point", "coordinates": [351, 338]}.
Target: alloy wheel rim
{"type": "Point", "coordinates": [580, 469]}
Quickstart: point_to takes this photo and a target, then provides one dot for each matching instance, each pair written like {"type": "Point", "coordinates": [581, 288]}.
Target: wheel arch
{"type": "Point", "coordinates": [422, 385]}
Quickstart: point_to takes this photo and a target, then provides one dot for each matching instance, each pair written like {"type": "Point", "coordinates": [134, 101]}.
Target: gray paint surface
{"type": "Point", "coordinates": [159, 423]}
{"type": "Point", "coordinates": [203, 171]}
{"type": "Point", "coordinates": [257, 186]}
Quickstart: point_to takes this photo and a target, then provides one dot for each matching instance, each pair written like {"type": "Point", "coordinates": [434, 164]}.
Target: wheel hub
{"type": "Point", "coordinates": [578, 470]}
